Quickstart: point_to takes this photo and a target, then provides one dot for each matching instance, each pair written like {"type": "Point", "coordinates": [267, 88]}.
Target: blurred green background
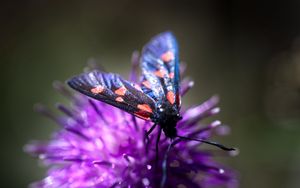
{"type": "Point", "coordinates": [248, 52]}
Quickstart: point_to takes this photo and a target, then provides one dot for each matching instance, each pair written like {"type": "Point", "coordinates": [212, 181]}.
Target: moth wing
{"type": "Point", "coordinates": [160, 69]}
{"type": "Point", "coordinates": [112, 89]}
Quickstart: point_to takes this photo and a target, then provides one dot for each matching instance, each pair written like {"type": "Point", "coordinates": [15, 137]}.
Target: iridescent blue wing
{"type": "Point", "coordinates": [160, 69]}
{"type": "Point", "coordinates": [112, 89]}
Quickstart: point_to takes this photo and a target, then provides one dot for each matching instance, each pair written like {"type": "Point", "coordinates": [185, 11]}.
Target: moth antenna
{"type": "Point", "coordinates": [208, 142]}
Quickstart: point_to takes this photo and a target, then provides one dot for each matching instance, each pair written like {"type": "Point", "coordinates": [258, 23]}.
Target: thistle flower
{"type": "Point", "coordinates": [101, 146]}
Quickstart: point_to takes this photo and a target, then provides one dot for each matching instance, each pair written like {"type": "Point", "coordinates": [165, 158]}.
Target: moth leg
{"type": "Point", "coordinates": [146, 137]}
{"type": "Point", "coordinates": [149, 132]}
{"type": "Point", "coordinates": [156, 145]}
{"type": "Point", "coordinates": [164, 166]}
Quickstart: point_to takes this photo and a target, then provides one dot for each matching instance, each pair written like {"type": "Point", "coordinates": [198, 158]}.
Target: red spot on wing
{"type": "Point", "coordinates": [121, 91]}
{"type": "Point", "coordinates": [98, 89]}
{"type": "Point", "coordinates": [144, 107]}
{"type": "Point", "coordinates": [178, 99]}
{"type": "Point", "coordinates": [142, 114]}
{"type": "Point", "coordinates": [160, 73]}
{"type": "Point", "coordinates": [171, 75]}
{"type": "Point", "coordinates": [119, 99]}
{"type": "Point", "coordinates": [167, 56]}
{"type": "Point", "coordinates": [171, 97]}
{"type": "Point", "coordinates": [146, 83]}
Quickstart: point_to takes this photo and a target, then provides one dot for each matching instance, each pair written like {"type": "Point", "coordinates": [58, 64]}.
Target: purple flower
{"type": "Point", "coordinates": [101, 146]}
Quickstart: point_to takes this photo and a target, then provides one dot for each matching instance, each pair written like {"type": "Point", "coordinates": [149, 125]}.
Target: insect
{"type": "Point", "coordinates": [156, 98]}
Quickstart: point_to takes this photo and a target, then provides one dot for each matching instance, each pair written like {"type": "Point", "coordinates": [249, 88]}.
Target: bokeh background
{"type": "Point", "coordinates": [248, 52]}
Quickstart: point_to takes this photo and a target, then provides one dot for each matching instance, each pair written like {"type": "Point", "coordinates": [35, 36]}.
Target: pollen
{"type": "Point", "coordinates": [119, 99]}
{"type": "Point", "coordinates": [144, 107]}
{"type": "Point", "coordinates": [98, 89]}
{"type": "Point", "coordinates": [121, 91]}
{"type": "Point", "coordinates": [171, 97]}
{"type": "Point", "coordinates": [167, 56]}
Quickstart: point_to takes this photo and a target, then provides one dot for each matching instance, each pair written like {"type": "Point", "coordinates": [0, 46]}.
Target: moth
{"type": "Point", "coordinates": [155, 98]}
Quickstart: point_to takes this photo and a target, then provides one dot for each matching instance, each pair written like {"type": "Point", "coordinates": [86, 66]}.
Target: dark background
{"type": "Point", "coordinates": [248, 52]}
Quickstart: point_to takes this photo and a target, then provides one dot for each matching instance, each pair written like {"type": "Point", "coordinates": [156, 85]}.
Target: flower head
{"type": "Point", "coordinates": [101, 146]}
